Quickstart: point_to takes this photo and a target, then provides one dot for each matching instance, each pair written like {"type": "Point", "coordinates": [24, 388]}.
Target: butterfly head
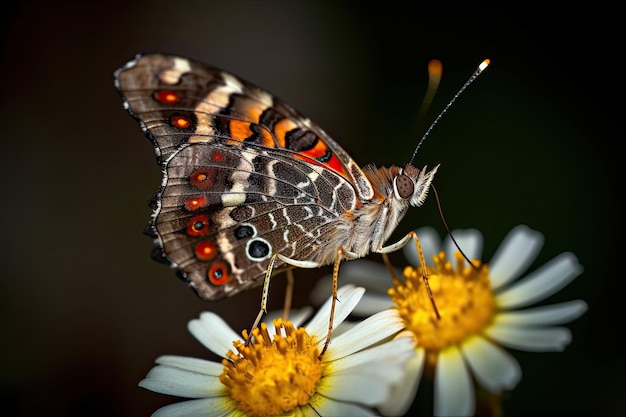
{"type": "Point", "coordinates": [395, 190]}
{"type": "Point", "coordinates": [411, 184]}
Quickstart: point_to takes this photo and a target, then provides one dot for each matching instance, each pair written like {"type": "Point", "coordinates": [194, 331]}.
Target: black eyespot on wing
{"type": "Point", "coordinates": [258, 249]}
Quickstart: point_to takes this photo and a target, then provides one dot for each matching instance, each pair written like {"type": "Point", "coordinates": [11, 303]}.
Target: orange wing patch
{"type": "Point", "coordinates": [240, 130]}
{"type": "Point", "coordinates": [281, 128]}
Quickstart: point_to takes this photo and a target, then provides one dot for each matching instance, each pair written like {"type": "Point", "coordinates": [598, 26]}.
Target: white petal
{"type": "Point", "coordinates": [296, 316]}
{"type": "Point", "coordinates": [328, 407]}
{"type": "Point", "coordinates": [372, 303]}
{"type": "Point", "coordinates": [360, 388]}
{"type": "Point", "coordinates": [542, 283]}
{"type": "Point", "coordinates": [544, 315]}
{"type": "Point", "coordinates": [553, 339]}
{"type": "Point", "coordinates": [205, 407]}
{"type": "Point", "coordinates": [431, 245]}
{"type": "Point", "coordinates": [366, 377]}
{"type": "Point", "coordinates": [403, 392]}
{"type": "Point", "coordinates": [374, 276]}
{"type": "Point", "coordinates": [300, 315]}
{"type": "Point", "coordinates": [348, 297]}
{"type": "Point", "coordinates": [213, 333]}
{"type": "Point", "coordinates": [493, 367]}
{"type": "Point", "coordinates": [366, 333]}
{"type": "Point", "coordinates": [454, 392]}
{"type": "Point", "coordinates": [344, 327]}
{"type": "Point", "coordinates": [514, 255]}
{"type": "Point", "coordinates": [389, 357]}
{"type": "Point", "coordinates": [192, 364]}
{"type": "Point", "coordinates": [169, 380]}
{"type": "Point", "coordinates": [469, 240]}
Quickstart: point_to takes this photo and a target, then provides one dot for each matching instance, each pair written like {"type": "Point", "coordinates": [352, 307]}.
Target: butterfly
{"type": "Point", "coordinates": [249, 185]}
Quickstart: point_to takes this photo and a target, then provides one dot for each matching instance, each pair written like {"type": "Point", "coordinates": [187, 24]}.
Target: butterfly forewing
{"type": "Point", "coordinates": [244, 175]}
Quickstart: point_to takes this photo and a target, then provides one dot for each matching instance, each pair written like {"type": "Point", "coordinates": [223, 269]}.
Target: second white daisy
{"type": "Point", "coordinates": [479, 310]}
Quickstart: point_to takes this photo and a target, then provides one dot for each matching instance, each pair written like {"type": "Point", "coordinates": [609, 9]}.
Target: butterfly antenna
{"type": "Point", "coordinates": [479, 70]}
{"type": "Point", "coordinates": [443, 219]}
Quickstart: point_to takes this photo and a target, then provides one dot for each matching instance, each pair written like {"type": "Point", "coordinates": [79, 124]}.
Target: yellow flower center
{"type": "Point", "coordinates": [272, 377]}
{"type": "Point", "coordinates": [463, 296]}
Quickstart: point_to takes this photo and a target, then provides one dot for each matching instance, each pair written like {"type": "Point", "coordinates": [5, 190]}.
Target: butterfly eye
{"type": "Point", "coordinates": [404, 186]}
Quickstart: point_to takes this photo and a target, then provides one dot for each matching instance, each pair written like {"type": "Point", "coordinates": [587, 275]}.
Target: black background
{"type": "Point", "coordinates": [534, 140]}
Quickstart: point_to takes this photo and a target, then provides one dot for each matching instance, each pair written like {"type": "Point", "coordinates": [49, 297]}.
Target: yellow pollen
{"type": "Point", "coordinates": [272, 377]}
{"type": "Point", "coordinates": [463, 295]}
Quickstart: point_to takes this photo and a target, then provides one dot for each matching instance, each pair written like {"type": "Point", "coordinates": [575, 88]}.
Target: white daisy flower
{"type": "Point", "coordinates": [281, 373]}
{"type": "Point", "coordinates": [480, 314]}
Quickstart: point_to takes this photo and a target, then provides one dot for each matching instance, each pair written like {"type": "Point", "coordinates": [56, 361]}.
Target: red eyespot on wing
{"type": "Point", "coordinates": [198, 226]}
{"type": "Point", "coordinates": [218, 274]}
{"type": "Point", "coordinates": [195, 203]}
{"type": "Point", "coordinates": [205, 251]}
{"type": "Point", "coordinates": [203, 178]}
{"type": "Point", "coordinates": [167, 96]}
{"type": "Point", "coordinates": [181, 122]}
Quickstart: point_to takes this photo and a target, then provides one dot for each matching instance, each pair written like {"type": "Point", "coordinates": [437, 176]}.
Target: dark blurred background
{"type": "Point", "coordinates": [534, 140]}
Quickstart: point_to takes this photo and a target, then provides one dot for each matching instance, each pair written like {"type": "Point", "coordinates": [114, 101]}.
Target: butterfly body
{"type": "Point", "coordinates": [245, 177]}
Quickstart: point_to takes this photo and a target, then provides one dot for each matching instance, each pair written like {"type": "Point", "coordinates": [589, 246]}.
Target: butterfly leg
{"type": "Point", "coordinates": [399, 245]}
{"type": "Point", "coordinates": [341, 254]}
{"type": "Point", "coordinates": [265, 294]}
{"type": "Point", "coordinates": [338, 256]}
{"type": "Point", "coordinates": [389, 266]}
{"type": "Point", "coordinates": [266, 284]}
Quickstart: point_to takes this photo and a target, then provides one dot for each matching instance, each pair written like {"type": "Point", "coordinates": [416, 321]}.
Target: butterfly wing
{"type": "Point", "coordinates": [244, 175]}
